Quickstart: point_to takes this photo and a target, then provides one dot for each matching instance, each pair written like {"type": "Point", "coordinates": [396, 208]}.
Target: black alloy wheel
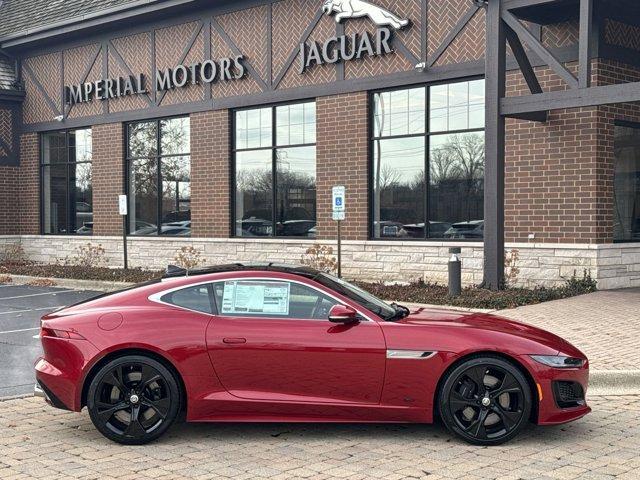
{"type": "Point", "coordinates": [485, 401]}
{"type": "Point", "coordinates": [133, 400]}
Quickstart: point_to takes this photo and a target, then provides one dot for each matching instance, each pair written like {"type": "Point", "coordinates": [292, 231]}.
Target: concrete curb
{"type": "Point", "coordinates": [614, 382]}
{"type": "Point", "coordinates": [97, 285]}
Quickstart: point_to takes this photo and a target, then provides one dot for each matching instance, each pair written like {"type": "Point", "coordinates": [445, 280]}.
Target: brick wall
{"type": "Point", "coordinates": [553, 178]}
{"type": "Point", "coordinates": [210, 174]}
{"type": "Point", "coordinates": [108, 181]}
{"type": "Point", "coordinates": [9, 213]}
{"type": "Point", "coordinates": [342, 159]}
{"type": "Point", "coordinates": [29, 184]}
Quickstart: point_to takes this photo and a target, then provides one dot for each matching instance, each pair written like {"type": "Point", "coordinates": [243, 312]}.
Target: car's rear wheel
{"type": "Point", "coordinates": [133, 400]}
{"type": "Point", "coordinates": [485, 401]}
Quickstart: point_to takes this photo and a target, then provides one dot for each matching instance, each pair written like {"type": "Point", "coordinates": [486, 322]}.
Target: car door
{"type": "Point", "coordinates": [272, 340]}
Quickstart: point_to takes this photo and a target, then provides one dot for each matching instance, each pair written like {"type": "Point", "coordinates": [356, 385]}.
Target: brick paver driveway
{"type": "Point", "coordinates": [604, 325]}
{"type": "Point", "coordinates": [40, 442]}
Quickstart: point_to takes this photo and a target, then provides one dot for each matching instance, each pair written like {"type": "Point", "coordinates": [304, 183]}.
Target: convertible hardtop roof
{"type": "Point", "coordinates": [174, 271]}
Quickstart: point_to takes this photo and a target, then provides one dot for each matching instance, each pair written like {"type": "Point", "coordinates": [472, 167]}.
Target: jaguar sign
{"type": "Point", "coordinates": [344, 9]}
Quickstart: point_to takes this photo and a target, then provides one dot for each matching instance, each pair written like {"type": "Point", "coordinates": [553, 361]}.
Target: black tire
{"type": "Point", "coordinates": [133, 400]}
{"type": "Point", "coordinates": [485, 401]}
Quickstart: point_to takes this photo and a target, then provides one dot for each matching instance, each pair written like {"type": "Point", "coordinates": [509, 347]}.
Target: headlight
{"type": "Point", "coordinates": [557, 361]}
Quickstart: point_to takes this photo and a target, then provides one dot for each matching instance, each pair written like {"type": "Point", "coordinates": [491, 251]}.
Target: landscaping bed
{"type": "Point", "coordinates": [475, 297]}
{"type": "Point", "coordinates": [418, 292]}
{"type": "Point", "coordinates": [76, 272]}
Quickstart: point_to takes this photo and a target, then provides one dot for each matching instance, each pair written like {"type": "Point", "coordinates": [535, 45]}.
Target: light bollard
{"type": "Point", "coordinates": [455, 272]}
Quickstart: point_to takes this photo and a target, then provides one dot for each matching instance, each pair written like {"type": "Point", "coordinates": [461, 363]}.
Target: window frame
{"type": "Point", "coordinates": [157, 159]}
{"type": "Point", "coordinates": [636, 126]}
{"type": "Point", "coordinates": [157, 297]}
{"type": "Point", "coordinates": [274, 164]}
{"type": "Point", "coordinates": [67, 164]}
{"type": "Point", "coordinates": [427, 151]}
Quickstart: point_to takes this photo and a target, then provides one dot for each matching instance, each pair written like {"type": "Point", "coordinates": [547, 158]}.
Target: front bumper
{"type": "Point", "coordinates": [549, 412]}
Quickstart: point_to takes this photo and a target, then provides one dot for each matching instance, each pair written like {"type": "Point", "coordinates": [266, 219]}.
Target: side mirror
{"type": "Point", "coordinates": [343, 314]}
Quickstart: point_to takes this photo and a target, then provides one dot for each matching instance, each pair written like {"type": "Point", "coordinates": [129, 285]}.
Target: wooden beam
{"type": "Point", "coordinates": [495, 90]}
{"type": "Point", "coordinates": [584, 45]}
{"type": "Point", "coordinates": [544, 54]}
{"type": "Point", "coordinates": [528, 73]}
{"type": "Point", "coordinates": [584, 97]}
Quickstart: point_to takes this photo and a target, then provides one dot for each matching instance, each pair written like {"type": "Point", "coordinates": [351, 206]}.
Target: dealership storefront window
{"type": "Point", "coordinates": [159, 177]}
{"type": "Point", "coordinates": [275, 171]}
{"type": "Point", "coordinates": [67, 195]}
{"type": "Point", "coordinates": [626, 225]}
{"type": "Point", "coordinates": [428, 162]}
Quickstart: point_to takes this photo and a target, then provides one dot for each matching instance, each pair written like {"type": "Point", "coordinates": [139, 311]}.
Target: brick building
{"type": "Point", "coordinates": [228, 123]}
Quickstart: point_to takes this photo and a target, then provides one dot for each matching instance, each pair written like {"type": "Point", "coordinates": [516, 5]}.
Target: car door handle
{"type": "Point", "coordinates": [234, 340]}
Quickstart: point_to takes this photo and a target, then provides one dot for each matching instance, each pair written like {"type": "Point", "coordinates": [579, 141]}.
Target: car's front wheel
{"type": "Point", "coordinates": [133, 400]}
{"type": "Point", "coordinates": [485, 400]}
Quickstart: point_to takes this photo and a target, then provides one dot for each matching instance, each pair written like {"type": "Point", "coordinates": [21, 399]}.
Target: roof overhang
{"type": "Point", "coordinates": [93, 21]}
{"type": "Point", "coordinates": [16, 96]}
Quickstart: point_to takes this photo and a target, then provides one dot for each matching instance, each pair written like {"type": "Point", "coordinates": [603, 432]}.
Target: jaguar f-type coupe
{"type": "Point", "coordinates": [270, 343]}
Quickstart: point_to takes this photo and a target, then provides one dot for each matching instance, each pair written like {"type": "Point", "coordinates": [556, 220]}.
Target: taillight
{"type": "Point", "coordinates": [52, 332]}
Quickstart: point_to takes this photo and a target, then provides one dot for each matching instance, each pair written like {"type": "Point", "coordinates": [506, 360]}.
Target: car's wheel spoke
{"type": "Point", "coordinates": [509, 385]}
{"type": "Point", "coordinates": [509, 419]}
{"type": "Point", "coordinates": [476, 375]}
{"type": "Point", "coordinates": [106, 410]}
{"type": "Point", "coordinates": [149, 375]}
{"type": "Point", "coordinates": [458, 402]}
{"type": "Point", "coordinates": [135, 428]}
{"type": "Point", "coordinates": [477, 427]}
{"type": "Point", "coordinates": [161, 406]}
{"type": "Point", "coordinates": [112, 379]}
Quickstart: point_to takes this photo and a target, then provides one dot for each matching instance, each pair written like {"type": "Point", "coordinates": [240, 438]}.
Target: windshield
{"type": "Point", "coordinates": [358, 295]}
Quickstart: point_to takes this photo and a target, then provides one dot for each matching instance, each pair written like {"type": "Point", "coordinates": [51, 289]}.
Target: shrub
{"type": "Point", "coordinates": [188, 258]}
{"type": "Point", "coordinates": [511, 269]}
{"type": "Point", "coordinates": [88, 255]}
{"type": "Point", "coordinates": [321, 258]}
{"type": "Point", "coordinates": [13, 253]}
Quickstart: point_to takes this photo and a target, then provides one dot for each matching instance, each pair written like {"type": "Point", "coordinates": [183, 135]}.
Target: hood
{"type": "Point", "coordinates": [455, 330]}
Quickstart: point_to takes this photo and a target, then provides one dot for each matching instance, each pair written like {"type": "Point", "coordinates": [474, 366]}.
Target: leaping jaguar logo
{"type": "Point", "coordinates": [359, 8]}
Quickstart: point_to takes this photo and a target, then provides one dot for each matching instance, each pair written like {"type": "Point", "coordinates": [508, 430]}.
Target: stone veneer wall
{"type": "Point", "coordinates": [614, 265]}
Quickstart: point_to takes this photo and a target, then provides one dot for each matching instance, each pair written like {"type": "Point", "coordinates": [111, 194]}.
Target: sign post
{"type": "Point", "coordinates": [123, 207]}
{"type": "Point", "coordinates": [339, 214]}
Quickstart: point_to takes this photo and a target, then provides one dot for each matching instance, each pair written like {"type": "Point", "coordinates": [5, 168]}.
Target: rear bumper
{"type": "Point", "coordinates": [60, 371]}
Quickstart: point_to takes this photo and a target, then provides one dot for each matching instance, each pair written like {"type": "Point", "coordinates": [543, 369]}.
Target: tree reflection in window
{"type": "Point", "coordinates": [441, 147]}
{"type": "Point", "coordinates": [284, 206]}
{"type": "Point", "coordinates": [159, 163]}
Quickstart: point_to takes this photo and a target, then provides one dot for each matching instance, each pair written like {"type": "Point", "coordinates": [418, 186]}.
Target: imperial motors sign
{"type": "Point", "coordinates": [335, 49]}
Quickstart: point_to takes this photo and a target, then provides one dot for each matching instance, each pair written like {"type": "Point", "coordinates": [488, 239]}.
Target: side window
{"type": "Point", "coordinates": [196, 298]}
{"type": "Point", "coordinates": [265, 298]}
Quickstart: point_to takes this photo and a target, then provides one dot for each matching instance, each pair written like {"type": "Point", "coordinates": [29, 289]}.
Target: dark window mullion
{"type": "Point", "coordinates": [158, 180]}
{"type": "Point", "coordinates": [427, 162]}
{"type": "Point", "coordinates": [274, 172]}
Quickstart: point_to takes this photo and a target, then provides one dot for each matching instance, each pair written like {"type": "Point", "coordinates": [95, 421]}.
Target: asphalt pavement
{"type": "Point", "coordinates": [21, 307]}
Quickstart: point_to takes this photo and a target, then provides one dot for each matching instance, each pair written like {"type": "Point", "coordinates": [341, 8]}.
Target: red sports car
{"type": "Point", "coordinates": [268, 343]}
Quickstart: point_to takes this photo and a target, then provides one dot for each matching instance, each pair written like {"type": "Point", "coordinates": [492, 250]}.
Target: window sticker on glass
{"type": "Point", "coordinates": [255, 298]}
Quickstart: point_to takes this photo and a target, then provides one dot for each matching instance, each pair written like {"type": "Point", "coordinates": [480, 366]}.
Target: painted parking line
{"type": "Point", "coordinates": [52, 308]}
{"type": "Point", "coordinates": [22, 330]}
{"type": "Point", "coordinates": [36, 295]}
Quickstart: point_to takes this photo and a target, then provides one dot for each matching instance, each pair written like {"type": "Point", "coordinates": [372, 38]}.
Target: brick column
{"type": "Point", "coordinates": [210, 174]}
{"type": "Point", "coordinates": [108, 178]}
{"type": "Point", "coordinates": [342, 159]}
{"type": "Point", "coordinates": [29, 185]}
{"type": "Point", "coordinates": [9, 214]}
